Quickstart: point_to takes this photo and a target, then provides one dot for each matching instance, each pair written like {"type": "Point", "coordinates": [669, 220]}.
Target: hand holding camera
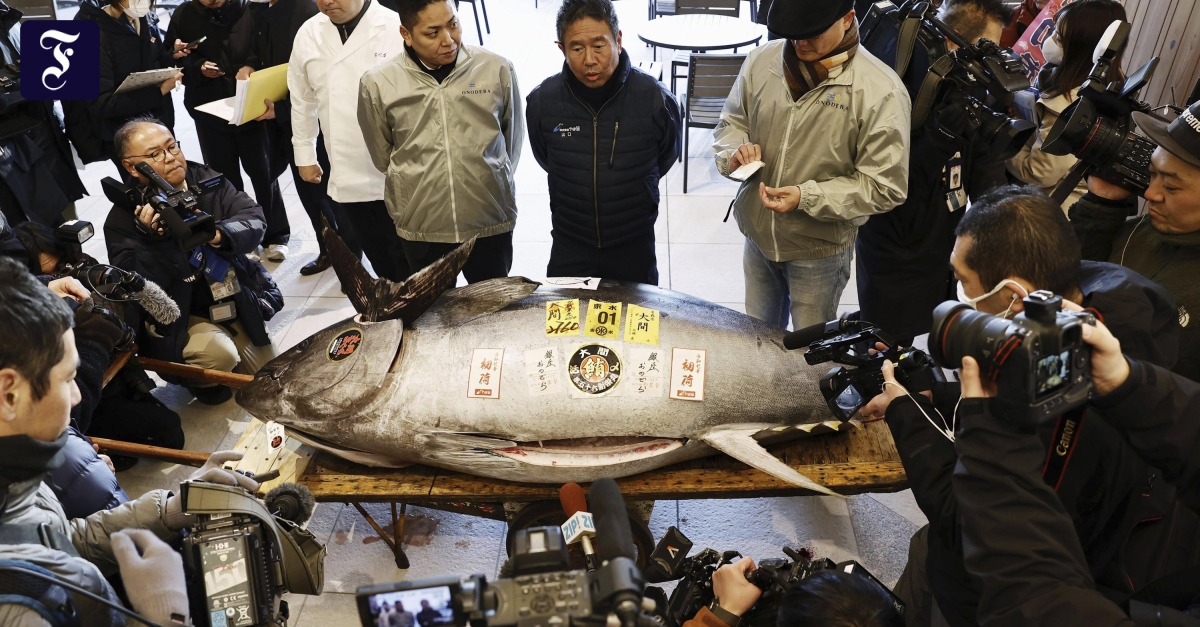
{"type": "Point", "coordinates": [733, 590]}
{"type": "Point", "coordinates": [153, 576]}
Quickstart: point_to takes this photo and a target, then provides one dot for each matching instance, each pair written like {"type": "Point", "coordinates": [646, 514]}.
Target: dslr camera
{"type": "Point", "coordinates": [243, 554]}
{"type": "Point", "coordinates": [178, 208]}
{"type": "Point", "coordinates": [1098, 128]}
{"type": "Point", "coordinates": [1038, 360]}
{"type": "Point", "coordinates": [912, 40]}
{"type": "Point", "coordinates": [855, 343]}
{"type": "Point", "coordinates": [670, 562]}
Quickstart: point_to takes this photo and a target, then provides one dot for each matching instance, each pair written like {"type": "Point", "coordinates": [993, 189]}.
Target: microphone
{"type": "Point", "coordinates": [619, 585]}
{"type": "Point", "coordinates": [291, 501]}
{"type": "Point", "coordinates": [157, 303]}
{"type": "Point", "coordinates": [801, 338]}
{"type": "Point", "coordinates": [580, 526]}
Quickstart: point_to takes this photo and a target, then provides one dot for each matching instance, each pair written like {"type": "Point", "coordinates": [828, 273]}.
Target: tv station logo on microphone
{"type": "Point", "coordinates": [60, 60]}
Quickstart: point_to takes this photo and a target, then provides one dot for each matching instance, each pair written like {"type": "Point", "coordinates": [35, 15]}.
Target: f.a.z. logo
{"type": "Point", "coordinates": [60, 60]}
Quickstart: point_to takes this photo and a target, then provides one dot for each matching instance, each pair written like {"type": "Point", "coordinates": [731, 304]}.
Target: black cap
{"type": "Point", "coordinates": [1180, 137]}
{"type": "Point", "coordinates": [805, 19]}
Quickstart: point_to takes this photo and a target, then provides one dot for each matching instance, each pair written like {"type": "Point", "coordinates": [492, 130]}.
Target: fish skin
{"type": "Point", "coordinates": [413, 407]}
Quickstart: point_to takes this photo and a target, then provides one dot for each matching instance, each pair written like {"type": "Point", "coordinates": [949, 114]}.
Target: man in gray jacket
{"type": "Point", "coordinates": [831, 124]}
{"type": "Point", "coordinates": [38, 363]}
{"type": "Point", "coordinates": [444, 123]}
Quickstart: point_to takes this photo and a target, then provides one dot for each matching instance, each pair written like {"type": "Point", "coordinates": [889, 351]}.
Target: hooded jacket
{"type": "Point", "coordinates": [449, 149]}
{"type": "Point", "coordinates": [604, 165]}
{"type": "Point", "coordinates": [124, 51]}
{"type": "Point", "coordinates": [844, 144]}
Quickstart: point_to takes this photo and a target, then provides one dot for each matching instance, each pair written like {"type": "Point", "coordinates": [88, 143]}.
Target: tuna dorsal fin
{"type": "Point", "coordinates": [739, 443]}
{"type": "Point", "coordinates": [379, 299]}
{"type": "Point", "coordinates": [460, 306]}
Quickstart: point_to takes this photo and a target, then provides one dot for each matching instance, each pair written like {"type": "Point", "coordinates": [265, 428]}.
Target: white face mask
{"type": "Point", "coordinates": [974, 302]}
{"type": "Point", "coordinates": [1051, 51]}
{"type": "Point", "coordinates": [137, 9]}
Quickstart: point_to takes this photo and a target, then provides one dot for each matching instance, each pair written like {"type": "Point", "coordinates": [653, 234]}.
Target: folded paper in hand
{"type": "Point", "coordinates": [138, 80]}
{"type": "Point", "coordinates": [746, 171]}
{"type": "Point", "coordinates": [247, 103]}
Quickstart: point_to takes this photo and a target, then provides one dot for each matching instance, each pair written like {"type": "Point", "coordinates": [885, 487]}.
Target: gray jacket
{"type": "Point", "coordinates": [448, 150]}
{"type": "Point", "coordinates": [34, 503]}
{"type": "Point", "coordinates": [845, 144]}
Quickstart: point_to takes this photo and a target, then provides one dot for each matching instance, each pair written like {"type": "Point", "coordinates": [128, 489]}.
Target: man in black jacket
{"type": "Point", "coordinates": [210, 334]}
{"type": "Point", "coordinates": [1020, 543]}
{"type": "Point", "coordinates": [605, 133]}
{"type": "Point", "coordinates": [1015, 241]}
{"type": "Point", "coordinates": [1164, 244]}
{"type": "Point", "coordinates": [209, 74]}
{"type": "Point", "coordinates": [275, 27]}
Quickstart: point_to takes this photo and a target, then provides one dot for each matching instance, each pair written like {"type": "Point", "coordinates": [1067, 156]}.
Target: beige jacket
{"type": "Point", "coordinates": [1042, 169]}
{"type": "Point", "coordinates": [448, 150]}
{"type": "Point", "coordinates": [845, 144]}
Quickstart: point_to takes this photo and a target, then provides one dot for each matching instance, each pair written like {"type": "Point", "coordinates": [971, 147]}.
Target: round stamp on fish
{"type": "Point", "coordinates": [594, 369]}
{"type": "Point", "coordinates": [344, 345]}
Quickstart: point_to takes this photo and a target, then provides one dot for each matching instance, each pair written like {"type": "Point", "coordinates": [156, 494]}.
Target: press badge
{"type": "Point", "coordinates": [225, 288]}
{"type": "Point", "coordinates": [222, 312]}
{"type": "Point", "coordinates": [956, 195]}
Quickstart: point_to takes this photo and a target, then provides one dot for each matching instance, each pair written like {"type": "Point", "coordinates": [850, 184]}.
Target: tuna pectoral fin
{"type": "Point", "coordinates": [458, 307]}
{"type": "Point", "coordinates": [374, 460]}
{"type": "Point", "coordinates": [741, 445]}
{"type": "Point", "coordinates": [380, 299]}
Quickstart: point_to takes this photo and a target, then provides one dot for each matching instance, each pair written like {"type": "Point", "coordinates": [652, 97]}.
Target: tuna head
{"type": "Point", "coordinates": [327, 378]}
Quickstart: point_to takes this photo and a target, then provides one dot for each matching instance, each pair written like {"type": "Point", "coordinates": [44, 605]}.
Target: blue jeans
{"type": "Point", "coordinates": [807, 289]}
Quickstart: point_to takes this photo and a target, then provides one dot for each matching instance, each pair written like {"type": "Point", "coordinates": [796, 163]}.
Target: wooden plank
{"type": "Point", "coordinates": [1150, 28]}
{"type": "Point", "coordinates": [145, 451]}
{"type": "Point", "coordinates": [1166, 48]}
{"type": "Point", "coordinates": [221, 377]}
{"type": "Point", "coordinates": [291, 459]}
{"type": "Point", "coordinates": [1181, 73]}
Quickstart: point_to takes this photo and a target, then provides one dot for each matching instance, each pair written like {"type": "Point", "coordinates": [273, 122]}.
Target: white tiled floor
{"type": "Point", "coordinates": [697, 253]}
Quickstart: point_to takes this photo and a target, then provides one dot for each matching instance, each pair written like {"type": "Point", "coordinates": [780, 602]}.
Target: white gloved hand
{"type": "Point", "coordinates": [153, 575]}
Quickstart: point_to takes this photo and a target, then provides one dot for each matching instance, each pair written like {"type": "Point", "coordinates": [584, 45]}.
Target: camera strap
{"type": "Point", "coordinates": [1062, 447]}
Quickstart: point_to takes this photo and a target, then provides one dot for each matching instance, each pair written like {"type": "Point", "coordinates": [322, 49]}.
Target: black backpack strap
{"type": "Point", "coordinates": [52, 602]}
{"type": "Point", "coordinates": [42, 534]}
{"type": "Point", "coordinates": [907, 40]}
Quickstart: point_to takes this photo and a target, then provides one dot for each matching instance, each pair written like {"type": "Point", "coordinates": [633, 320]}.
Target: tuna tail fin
{"type": "Point", "coordinates": [379, 299]}
{"type": "Point", "coordinates": [740, 444]}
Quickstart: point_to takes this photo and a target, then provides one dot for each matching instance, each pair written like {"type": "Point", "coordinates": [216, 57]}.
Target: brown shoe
{"type": "Point", "coordinates": [316, 266]}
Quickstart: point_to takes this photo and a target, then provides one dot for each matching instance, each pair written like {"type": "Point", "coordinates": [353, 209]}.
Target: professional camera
{"type": "Point", "coordinates": [179, 208]}
{"type": "Point", "coordinates": [856, 343]}
{"type": "Point", "coordinates": [774, 577]}
{"type": "Point", "coordinates": [542, 591]}
{"type": "Point", "coordinates": [913, 41]}
{"type": "Point", "coordinates": [1098, 129]}
{"type": "Point", "coordinates": [242, 554]}
{"type": "Point", "coordinates": [1038, 360]}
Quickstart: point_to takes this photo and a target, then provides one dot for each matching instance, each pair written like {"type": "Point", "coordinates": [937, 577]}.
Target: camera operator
{"type": "Point", "coordinates": [901, 255]}
{"type": "Point", "coordinates": [1078, 27]}
{"type": "Point", "coordinates": [1015, 241]}
{"type": "Point", "coordinates": [1163, 244]}
{"type": "Point", "coordinates": [825, 598]}
{"type": "Point", "coordinates": [1020, 543]}
{"type": "Point", "coordinates": [39, 368]}
{"type": "Point", "coordinates": [209, 334]}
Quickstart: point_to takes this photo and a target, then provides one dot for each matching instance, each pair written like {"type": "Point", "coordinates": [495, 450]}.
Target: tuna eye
{"type": "Point", "coordinates": [303, 345]}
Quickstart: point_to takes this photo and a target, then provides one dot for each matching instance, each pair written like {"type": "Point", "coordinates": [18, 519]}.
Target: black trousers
{"type": "Point", "coordinates": [490, 259]}
{"type": "Point", "coordinates": [316, 201]}
{"type": "Point", "coordinates": [632, 261]}
{"type": "Point", "coordinates": [376, 234]}
{"type": "Point", "coordinates": [247, 147]}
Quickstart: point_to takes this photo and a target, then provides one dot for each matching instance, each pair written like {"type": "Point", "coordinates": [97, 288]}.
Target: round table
{"type": "Point", "coordinates": [700, 32]}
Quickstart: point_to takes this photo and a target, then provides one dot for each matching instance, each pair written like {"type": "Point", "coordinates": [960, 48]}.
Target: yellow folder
{"type": "Point", "coordinates": [247, 102]}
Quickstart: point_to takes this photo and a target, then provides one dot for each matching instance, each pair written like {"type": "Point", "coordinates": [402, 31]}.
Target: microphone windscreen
{"type": "Point", "coordinates": [572, 498]}
{"type": "Point", "coordinates": [292, 501]}
{"type": "Point", "coordinates": [803, 337]}
{"type": "Point", "coordinates": [158, 304]}
{"type": "Point", "coordinates": [614, 538]}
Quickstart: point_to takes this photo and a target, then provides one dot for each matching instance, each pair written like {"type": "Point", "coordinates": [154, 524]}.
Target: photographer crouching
{"type": "Point", "coordinates": [38, 367]}
{"type": "Point", "coordinates": [192, 239]}
{"type": "Point", "coordinates": [1012, 243]}
{"type": "Point", "coordinates": [1020, 542]}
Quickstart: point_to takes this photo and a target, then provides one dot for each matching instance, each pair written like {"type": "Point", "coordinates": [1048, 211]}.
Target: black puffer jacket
{"type": "Point", "coordinates": [229, 44]}
{"type": "Point", "coordinates": [122, 52]}
{"type": "Point", "coordinates": [241, 223]}
{"type": "Point", "coordinates": [604, 166]}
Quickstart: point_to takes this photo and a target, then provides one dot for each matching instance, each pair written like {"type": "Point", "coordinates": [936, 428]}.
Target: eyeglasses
{"type": "Point", "coordinates": [159, 155]}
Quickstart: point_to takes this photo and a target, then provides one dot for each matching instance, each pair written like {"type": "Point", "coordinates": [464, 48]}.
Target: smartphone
{"type": "Point", "coordinates": [195, 44]}
{"type": "Point", "coordinates": [212, 66]}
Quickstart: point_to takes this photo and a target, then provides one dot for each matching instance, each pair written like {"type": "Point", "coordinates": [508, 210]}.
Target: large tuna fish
{"type": "Point", "coordinates": [394, 385]}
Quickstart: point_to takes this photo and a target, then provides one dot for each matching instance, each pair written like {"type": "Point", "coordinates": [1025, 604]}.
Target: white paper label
{"type": "Point", "coordinates": [648, 366]}
{"type": "Point", "coordinates": [276, 435]}
{"type": "Point", "coordinates": [543, 371]}
{"type": "Point", "coordinates": [484, 380]}
{"type": "Point", "coordinates": [688, 366]}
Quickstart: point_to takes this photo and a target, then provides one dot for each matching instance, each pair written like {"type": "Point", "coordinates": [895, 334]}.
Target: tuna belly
{"type": "Point", "coordinates": [590, 452]}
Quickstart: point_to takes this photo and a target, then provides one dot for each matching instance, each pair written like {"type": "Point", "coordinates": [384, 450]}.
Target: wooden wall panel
{"type": "Point", "coordinates": [1170, 30]}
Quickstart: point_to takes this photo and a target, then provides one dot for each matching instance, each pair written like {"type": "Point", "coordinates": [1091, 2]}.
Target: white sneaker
{"type": "Point", "coordinates": [276, 252]}
{"type": "Point", "coordinates": [253, 255]}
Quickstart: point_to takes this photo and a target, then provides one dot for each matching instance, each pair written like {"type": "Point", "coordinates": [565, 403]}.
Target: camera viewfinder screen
{"type": "Point", "coordinates": [412, 608]}
{"type": "Point", "coordinates": [849, 401]}
{"type": "Point", "coordinates": [1053, 372]}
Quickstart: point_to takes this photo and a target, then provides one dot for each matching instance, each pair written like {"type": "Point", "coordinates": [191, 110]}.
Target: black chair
{"type": "Point", "coordinates": [475, 9]}
{"type": "Point", "coordinates": [710, 79]}
{"type": "Point", "coordinates": [728, 8]}
{"type": "Point", "coordinates": [661, 7]}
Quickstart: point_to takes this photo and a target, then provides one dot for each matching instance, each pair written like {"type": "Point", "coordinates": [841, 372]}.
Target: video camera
{"type": "Point", "coordinates": [774, 577]}
{"type": "Point", "coordinates": [1038, 360]}
{"type": "Point", "coordinates": [1098, 129]}
{"type": "Point", "coordinates": [856, 343]}
{"type": "Point", "coordinates": [243, 554]}
{"type": "Point", "coordinates": [179, 208]}
{"type": "Point", "coordinates": [542, 589]}
{"type": "Point", "coordinates": [912, 40]}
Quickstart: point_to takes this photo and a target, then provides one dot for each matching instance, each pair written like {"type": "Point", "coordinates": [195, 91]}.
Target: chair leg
{"type": "Point", "coordinates": [478, 27]}
{"type": "Point", "coordinates": [486, 25]}
{"type": "Point", "coordinates": [686, 128]}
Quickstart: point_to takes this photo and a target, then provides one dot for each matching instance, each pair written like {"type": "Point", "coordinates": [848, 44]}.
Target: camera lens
{"type": "Point", "coordinates": [960, 331]}
{"type": "Point", "coordinates": [1005, 135]}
